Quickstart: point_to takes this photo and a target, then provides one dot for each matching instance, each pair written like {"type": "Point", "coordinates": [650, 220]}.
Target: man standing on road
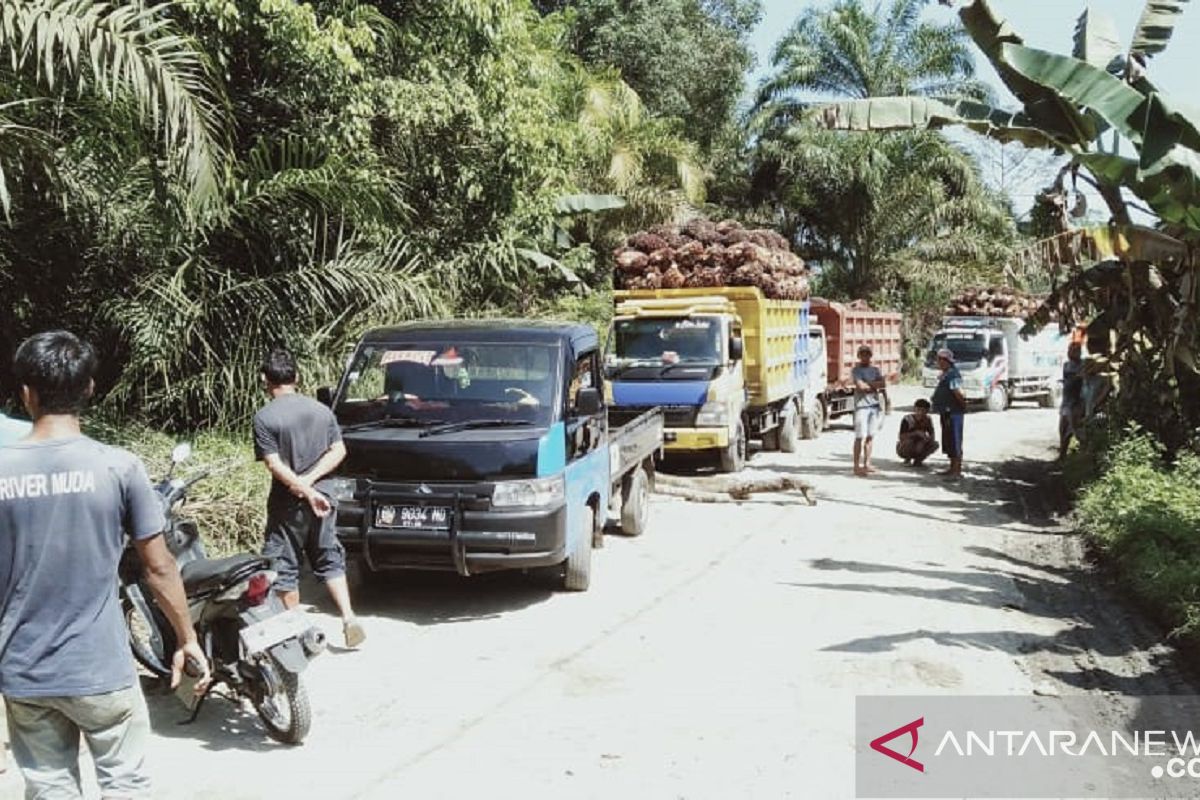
{"type": "Point", "coordinates": [951, 404]}
{"type": "Point", "coordinates": [1070, 413]}
{"type": "Point", "coordinates": [301, 443]}
{"type": "Point", "coordinates": [868, 411]}
{"type": "Point", "coordinates": [916, 442]}
{"type": "Point", "coordinates": [66, 505]}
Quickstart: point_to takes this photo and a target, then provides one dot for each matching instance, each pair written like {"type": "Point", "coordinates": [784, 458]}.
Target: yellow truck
{"type": "Point", "coordinates": [725, 364]}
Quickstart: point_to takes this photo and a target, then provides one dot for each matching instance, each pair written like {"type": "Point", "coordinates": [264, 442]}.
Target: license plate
{"type": "Point", "coordinates": [435, 518]}
{"type": "Point", "coordinates": [279, 628]}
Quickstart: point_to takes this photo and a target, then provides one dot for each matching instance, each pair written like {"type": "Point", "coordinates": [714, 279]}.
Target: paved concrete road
{"type": "Point", "coordinates": [717, 656]}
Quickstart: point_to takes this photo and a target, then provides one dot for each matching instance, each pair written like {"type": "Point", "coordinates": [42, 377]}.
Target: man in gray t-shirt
{"type": "Point", "coordinates": [868, 410]}
{"type": "Point", "coordinates": [300, 442]}
{"type": "Point", "coordinates": [66, 505]}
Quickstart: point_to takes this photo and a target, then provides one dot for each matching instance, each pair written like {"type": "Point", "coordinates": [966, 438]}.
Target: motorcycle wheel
{"type": "Point", "coordinates": [281, 702]}
{"type": "Point", "coordinates": [142, 643]}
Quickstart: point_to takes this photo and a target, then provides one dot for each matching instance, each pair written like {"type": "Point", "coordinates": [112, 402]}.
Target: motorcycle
{"type": "Point", "coordinates": [256, 647]}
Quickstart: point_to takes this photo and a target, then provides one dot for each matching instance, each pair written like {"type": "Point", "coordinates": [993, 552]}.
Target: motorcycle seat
{"type": "Point", "coordinates": [208, 574]}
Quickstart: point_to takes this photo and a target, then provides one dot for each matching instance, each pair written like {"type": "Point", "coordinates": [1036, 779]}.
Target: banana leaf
{"type": "Point", "coordinates": [905, 113]}
{"type": "Point", "coordinates": [1097, 42]}
{"type": "Point", "coordinates": [587, 203]}
{"type": "Point", "coordinates": [1049, 110]}
{"type": "Point", "coordinates": [1156, 25]}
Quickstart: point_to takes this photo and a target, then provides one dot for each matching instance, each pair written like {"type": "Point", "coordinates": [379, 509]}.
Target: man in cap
{"type": "Point", "coordinates": [950, 404]}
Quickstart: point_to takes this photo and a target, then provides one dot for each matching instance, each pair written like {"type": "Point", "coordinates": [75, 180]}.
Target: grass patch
{"type": "Point", "coordinates": [1143, 514]}
{"type": "Point", "coordinates": [230, 506]}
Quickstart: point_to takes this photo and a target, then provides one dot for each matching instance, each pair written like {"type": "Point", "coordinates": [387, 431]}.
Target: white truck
{"type": "Point", "coordinates": [998, 365]}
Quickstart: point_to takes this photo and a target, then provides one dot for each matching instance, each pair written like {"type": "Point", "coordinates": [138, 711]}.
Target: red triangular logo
{"type": "Point", "coordinates": [907, 760]}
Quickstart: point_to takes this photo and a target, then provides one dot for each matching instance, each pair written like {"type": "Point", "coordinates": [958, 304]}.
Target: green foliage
{"type": "Point", "coordinates": [229, 506]}
{"type": "Point", "coordinates": [1144, 514]}
{"type": "Point", "coordinates": [686, 59]}
{"type": "Point", "coordinates": [850, 49]}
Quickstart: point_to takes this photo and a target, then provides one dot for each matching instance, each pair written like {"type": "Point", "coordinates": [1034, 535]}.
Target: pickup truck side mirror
{"type": "Point", "coordinates": [737, 348]}
{"type": "Point", "coordinates": [588, 402]}
{"type": "Point", "coordinates": [325, 396]}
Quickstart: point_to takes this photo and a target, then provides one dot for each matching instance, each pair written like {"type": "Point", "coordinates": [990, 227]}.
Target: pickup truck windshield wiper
{"type": "Point", "coordinates": [471, 424]}
{"type": "Point", "coordinates": [393, 422]}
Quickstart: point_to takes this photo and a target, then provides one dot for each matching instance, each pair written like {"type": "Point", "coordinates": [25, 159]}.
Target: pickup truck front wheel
{"type": "Point", "coordinates": [635, 502]}
{"type": "Point", "coordinates": [579, 562]}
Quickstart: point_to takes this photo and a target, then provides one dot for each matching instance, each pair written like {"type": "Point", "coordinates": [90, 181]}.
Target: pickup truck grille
{"type": "Point", "coordinates": [673, 416]}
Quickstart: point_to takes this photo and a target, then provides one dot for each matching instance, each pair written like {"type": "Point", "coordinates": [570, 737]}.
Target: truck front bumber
{"type": "Point", "coordinates": [646, 394]}
{"type": "Point", "coordinates": [479, 537]}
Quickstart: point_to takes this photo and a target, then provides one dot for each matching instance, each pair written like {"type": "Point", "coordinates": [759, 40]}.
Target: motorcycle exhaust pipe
{"type": "Point", "coordinates": [313, 642]}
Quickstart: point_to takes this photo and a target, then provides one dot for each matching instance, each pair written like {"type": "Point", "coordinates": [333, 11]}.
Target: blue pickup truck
{"type": "Point", "coordinates": [484, 445]}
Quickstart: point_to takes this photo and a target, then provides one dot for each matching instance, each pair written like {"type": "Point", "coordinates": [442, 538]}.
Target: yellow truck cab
{"type": "Point", "coordinates": [726, 364]}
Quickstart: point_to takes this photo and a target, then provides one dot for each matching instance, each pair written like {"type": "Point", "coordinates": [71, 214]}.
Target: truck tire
{"type": "Point", "coordinates": [578, 574]}
{"type": "Point", "coordinates": [997, 399]}
{"type": "Point", "coordinates": [1052, 398]}
{"type": "Point", "coordinates": [813, 422]}
{"type": "Point", "coordinates": [733, 457]}
{"type": "Point", "coordinates": [635, 502]}
{"type": "Point", "coordinates": [789, 430]}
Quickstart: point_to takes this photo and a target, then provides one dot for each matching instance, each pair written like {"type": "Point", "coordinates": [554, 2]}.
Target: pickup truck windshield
{"type": "Point", "coordinates": [969, 348]}
{"type": "Point", "coordinates": [443, 383]}
{"type": "Point", "coordinates": [694, 340]}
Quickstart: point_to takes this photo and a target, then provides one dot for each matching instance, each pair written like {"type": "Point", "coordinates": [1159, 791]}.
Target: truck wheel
{"type": "Point", "coordinates": [579, 563]}
{"type": "Point", "coordinates": [733, 457]}
{"type": "Point", "coordinates": [997, 399]}
{"type": "Point", "coordinates": [635, 502]}
{"type": "Point", "coordinates": [789, 430]}
{"type": "Point", "coordinates": [813, 422]}
{"type": "Point", "coordinates": [1052, 398]}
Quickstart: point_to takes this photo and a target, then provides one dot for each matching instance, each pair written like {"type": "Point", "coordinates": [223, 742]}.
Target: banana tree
{"type": "Point", "coordinates": [1138, 147]}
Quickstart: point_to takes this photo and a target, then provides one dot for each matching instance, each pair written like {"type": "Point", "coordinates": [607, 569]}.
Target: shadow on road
{"type": "Point", "coordinates": [220, 725]}
{"type": "Point", "coordinates": [435, 598]}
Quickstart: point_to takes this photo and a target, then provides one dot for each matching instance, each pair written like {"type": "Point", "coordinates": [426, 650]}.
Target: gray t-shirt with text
{"type": "Point", "coordinates": [66, 506]}
{"type": "Point", "coordinates": [299, 430]}
{"type": "Point", "coordinates": [867, 375]}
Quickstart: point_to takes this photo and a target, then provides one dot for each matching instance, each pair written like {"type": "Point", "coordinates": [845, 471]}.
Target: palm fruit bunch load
{"type": "Point", "coordinates": [704, 254]}
{"type": "Point", "coordinates": [997, 301]}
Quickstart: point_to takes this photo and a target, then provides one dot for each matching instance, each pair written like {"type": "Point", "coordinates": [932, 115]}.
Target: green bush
{"type": "Point", "coordinates": [230, 505]}
{"type": "Point", "coordinates": [1144, 514]}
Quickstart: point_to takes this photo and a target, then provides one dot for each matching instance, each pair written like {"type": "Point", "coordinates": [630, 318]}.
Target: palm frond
{"type": "Point", "coordinates": [129, 49]}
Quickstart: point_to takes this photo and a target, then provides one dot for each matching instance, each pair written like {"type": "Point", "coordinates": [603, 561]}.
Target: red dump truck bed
{"type": "Point", "coordinates": [847, 329]}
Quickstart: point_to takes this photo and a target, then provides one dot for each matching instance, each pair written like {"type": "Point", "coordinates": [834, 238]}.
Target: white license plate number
{"type": "Point", "coordinates": [436, 518]}
{"type": "Point", "coordinates": [279, 628]}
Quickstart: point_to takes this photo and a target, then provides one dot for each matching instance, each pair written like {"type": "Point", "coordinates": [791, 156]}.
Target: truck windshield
{"type": "Point", "coordinates": [970, 348]}
{"type": "Point", "coordinates": [447, 382]}
{"type": "Point", "coordinates": [691, 340]}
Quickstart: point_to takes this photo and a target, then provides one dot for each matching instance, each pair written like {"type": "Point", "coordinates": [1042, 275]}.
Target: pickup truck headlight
{"type": "Point", "coordinates": [341, 488]}
{"type": "Point", "coordinates": [712, 415]}
{"type": "Point", "coordinates": [529, 494]}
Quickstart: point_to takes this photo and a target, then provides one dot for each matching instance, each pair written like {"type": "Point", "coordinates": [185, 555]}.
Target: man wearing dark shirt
{"type": "Point", "coordinates": [917, 441]}
{"type": "Point", "coordinates": [1070, 414]}
{"type": "Point", "coordinates": [300, 442]}
{"type": "Point", "coordinates": [66, 505]}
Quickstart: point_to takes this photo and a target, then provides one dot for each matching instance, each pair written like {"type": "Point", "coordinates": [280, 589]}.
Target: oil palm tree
{"type": "Point", "coordinates": [125, 53]}
{"type": "Point", "coordinates": [857, 49]}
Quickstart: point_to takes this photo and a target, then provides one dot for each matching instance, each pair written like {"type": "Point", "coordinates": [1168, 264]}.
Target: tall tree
{"type": "Point", "coordinates": [857, 49]}
{"type": "Point", "coordinates": [686, 59]}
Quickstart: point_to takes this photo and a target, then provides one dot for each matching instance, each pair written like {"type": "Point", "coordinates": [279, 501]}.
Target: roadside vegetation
{"type": "Point", "coordinates": [188, 182]}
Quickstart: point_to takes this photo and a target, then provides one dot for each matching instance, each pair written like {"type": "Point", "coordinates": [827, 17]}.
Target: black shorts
{"type": "Point", "coordinates": [292, 529]}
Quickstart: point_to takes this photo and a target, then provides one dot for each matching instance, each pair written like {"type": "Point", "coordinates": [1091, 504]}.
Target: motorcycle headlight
{"type": "Point", "coordinates": [341, 488]}
{"type": "Point", "coordinates": [712, 415]}
{"type": "Point", "coordinates": [529, 494]}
